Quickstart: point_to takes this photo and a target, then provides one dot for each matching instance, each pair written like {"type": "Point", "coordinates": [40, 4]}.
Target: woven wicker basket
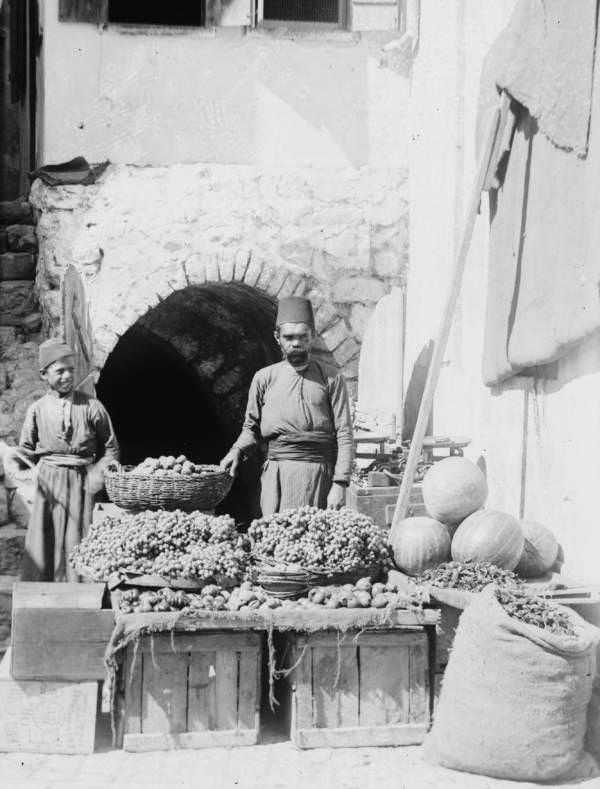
{"type": "Point", "coordinates": [289, 581]}
{"type": "Point", "coordinates": [148, 492]}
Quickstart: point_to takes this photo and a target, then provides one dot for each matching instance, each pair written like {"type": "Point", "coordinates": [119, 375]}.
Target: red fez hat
{"type": "Point", "coordinates": [52, 350]}
{"type": "Point", "coordinates": [295, 310]}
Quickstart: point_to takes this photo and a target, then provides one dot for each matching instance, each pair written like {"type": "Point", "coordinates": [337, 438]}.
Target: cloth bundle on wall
{"type": "Point", "coordinates": [544, 270]}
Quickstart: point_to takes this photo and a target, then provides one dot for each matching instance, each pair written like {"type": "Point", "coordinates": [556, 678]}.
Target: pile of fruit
{"type": "Point", "coordinates": [248, 597]}
{"type": "Point", "coordinates": [212, 597]}
{"type": "Point", "coordinates": [172, 545]}
{"type": "Point", "coordinates": [169, 465]}
{"type": "Point", "coordinates": [535, 611]}
{"type": "Point", "coordinates": [364, 594]}
{"type": "Point", "coordinates": [343, 539]}
{"type": "Point", "coordinates": [468, 576]}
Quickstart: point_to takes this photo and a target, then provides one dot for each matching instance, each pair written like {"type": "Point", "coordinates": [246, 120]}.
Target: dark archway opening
{"type": "Point", "coordinates": [177, 381]}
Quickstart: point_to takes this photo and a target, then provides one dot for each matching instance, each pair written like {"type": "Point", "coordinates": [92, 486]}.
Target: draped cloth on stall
{"type": "Point", "coordinates": [544, 272]}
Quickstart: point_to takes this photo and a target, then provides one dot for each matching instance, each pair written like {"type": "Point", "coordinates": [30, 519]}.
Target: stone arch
{"type": "Point", "coordinates": [113, 312]}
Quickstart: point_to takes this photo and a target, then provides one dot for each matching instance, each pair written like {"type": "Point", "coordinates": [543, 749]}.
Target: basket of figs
{"type": "Point", "coordinates": [167, 483]}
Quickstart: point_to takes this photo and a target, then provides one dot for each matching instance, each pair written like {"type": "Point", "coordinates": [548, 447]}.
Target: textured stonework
{"type": "Point", "coordinates": [141, 233]}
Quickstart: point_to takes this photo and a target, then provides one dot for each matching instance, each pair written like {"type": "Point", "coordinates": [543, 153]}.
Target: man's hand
{"type": "Point", "coordinates": [231, 461]}
{"type": "Point", "coordinates": [337, 496]}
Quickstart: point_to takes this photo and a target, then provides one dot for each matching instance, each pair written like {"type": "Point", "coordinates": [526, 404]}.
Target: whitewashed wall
{"type": "Point", "coordinates": [227, 97]}
{"type": "Point", "coordinates": [538, 441]}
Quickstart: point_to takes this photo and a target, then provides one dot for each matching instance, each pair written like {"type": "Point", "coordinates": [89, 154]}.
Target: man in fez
{"type": "Point", "coordinates": [302, 413]}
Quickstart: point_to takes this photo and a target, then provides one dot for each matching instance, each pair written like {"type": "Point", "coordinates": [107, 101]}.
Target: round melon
{"type": "Point", "coordinates": [540, 551]}
{"type": "Point", "coordinates": [489, 536]}
{"type": "Point", "coordinates": [418, 544]}
{"type": "Point", "coordinates": [453, 488]}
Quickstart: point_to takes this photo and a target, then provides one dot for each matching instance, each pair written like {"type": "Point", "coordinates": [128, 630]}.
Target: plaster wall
{"type": "Point", "coordinates": [227, 96]}
{"type": "Point", "coordinates": [536, 437]}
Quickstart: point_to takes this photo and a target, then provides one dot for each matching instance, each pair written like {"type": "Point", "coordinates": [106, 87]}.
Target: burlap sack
{"type": "Point", "coordinates": [514, 698]}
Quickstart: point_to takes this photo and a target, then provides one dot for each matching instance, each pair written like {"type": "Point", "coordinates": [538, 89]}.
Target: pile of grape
{"type": "Point", "coordinates": [169, 465]}
{"type": "Point", "coordinates": [342, 540]}
{"type": "Point", "coordinates": [170, 544]}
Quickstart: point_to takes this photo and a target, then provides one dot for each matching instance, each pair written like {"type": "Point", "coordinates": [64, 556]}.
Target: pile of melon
{"type": "Point", "coordinates": [454, 493]}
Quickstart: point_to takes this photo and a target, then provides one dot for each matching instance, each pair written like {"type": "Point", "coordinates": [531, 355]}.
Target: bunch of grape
{"type": "Point", "coordinates": [169, 465]}
{"type": "Point", "coordinates": [342, 539]}
{"type": "Point", "coordinates": [170, 544]}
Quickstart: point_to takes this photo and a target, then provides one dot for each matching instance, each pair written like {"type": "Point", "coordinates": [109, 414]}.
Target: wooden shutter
{"type": "Point", "coordinates": [375, 15]}
{"type": "Point", "coordinates": [229, 13]}
{"type": "Point", "coordinates": [76, 329]}
{"type": "Point", "coordinates": [94, 11]}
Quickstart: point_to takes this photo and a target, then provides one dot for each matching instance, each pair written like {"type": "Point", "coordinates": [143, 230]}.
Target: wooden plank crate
{"type": "Point", "coordinates": [46, 717]}
{"type": "Point", "coordinates": [188, 690]}
{"type": "Point", "coordinates": [349, 690]}
{"type": "Point", "coordinates": [59, 631]}
{"type": "Point", "coordinates": [379, 502]}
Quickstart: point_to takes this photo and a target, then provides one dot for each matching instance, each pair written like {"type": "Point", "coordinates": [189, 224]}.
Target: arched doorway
{"type": "Point", "coordinates": [177, 380]}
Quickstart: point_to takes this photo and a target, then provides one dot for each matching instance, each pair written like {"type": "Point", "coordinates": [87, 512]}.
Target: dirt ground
{"type": "Point", "coordinates": [272, 765]}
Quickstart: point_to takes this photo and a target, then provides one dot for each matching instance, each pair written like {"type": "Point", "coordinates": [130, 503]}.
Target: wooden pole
{"type": "Point", "coordinates": [490, 148]}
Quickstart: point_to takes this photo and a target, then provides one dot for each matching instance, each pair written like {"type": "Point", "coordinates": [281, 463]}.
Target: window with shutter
{"type": "Point", "coordinates": [180, 13]}
{"type": "Point", "coordinates": [302, 10]}
{"type": "Point", "coordinates": [94, 11]}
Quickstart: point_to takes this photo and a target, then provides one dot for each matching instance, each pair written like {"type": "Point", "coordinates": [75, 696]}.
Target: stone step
{"type": "Point", "coordinates": [3, 240]}
{"type": "Point", "coordinates": [17, 266]}
{"type": "Point", "coordinates": [6, 591]}
{"type": "Point", "coordinates": [17, 299]}
{"type": "Point", "coordinates": [12, 547]}
{"type": "Point", "coordinates": [15, 211]}
{"type": "Point", "coordinates": [21, 238]}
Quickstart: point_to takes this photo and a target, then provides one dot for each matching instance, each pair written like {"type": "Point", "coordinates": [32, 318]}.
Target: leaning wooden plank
{"type": "Point", "coordinates": [46, 717]}
{"type": "Point", "coordinates": [66, 644]}
{"type": "Point", "coordinates": [53, 595]}
{"type": "Point", "coordinates": [447, 315]}
{"type": "Point", "coordinates": [196, 739]}
{"type": "Point", "coordinates": [357, 737]}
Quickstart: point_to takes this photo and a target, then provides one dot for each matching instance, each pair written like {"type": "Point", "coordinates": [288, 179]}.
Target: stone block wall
{"type": "Point", "coordinates": [142, 233]}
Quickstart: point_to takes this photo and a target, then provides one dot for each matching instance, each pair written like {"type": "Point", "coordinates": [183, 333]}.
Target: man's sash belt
{"type": "Point", "coordinates": [311, 447]}
{"type": "Point", "coordinates": [69, 461]}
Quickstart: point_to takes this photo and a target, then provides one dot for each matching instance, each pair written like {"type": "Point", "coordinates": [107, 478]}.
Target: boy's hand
{"type": "Point", "coordinates": [95, 478]}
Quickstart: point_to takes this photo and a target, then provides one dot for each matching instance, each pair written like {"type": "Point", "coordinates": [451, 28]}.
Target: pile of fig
{"type": "Point", "coordinates": [364, 594]}
{"type": "Point", "coordinates": [169, 465]}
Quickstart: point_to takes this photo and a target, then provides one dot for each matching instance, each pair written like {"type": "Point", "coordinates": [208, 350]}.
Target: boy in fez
{"type": "Point", "coordinates": [71, 437]}
{"type": "Point", "coordinates": [304, 416]}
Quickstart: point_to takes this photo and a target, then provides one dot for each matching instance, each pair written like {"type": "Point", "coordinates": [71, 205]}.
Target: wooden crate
{"type": "Point", "coordinates": [46, 717]}
{"type": "Point", "coordinates": [358, 690]}
{"type": "Point", "coordinates": [59, 631]}
{"type": "Point", "coordinates": [187, 690]}
{"type": "Point", "coordinates": [379, 502]}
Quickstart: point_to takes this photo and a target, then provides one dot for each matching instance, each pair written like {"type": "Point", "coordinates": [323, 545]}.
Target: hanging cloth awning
{"type": "Point", "coordinates": [544, 265]}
